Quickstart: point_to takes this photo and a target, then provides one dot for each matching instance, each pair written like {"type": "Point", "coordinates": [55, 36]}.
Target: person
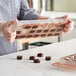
{"type": "Point", "coordinates": [10, 11]}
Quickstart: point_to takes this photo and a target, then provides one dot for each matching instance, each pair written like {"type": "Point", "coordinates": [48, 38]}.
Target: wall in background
{"type": "Point", "coordinates": [65, 5]}
{"type": "Point", "coordinates": [58, 5]}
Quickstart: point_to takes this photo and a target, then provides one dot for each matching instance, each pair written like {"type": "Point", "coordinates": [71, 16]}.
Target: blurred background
{"type": "Point", "coordinates": [54, 5]}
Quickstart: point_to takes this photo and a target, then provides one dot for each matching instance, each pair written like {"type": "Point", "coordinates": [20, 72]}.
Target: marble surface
{"type": "Point", "coordinates": [10, 66]}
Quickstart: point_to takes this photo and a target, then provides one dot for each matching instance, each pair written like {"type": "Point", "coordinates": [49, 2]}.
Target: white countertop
{"type": "Point", "coordinates": [9, 66]}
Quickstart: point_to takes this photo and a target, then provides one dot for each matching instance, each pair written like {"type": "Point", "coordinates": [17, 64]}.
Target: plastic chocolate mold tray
{"type": "Point", "coordinates": [70, 59]}
{"type": "Point", "coordinates": [67, 62]}
{"type": "Point", "coordinates": [40, 28]}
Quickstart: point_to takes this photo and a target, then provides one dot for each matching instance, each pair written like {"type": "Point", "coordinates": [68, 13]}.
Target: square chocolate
{"type": "Point", "coordinates": [34, 27]}
{"type": "Point", "coordinates": [38, 31]}
{"type": "Point", "coordinates": [27, 27]}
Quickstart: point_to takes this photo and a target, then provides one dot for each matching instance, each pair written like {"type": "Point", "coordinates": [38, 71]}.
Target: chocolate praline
{"type": "Point", "coordinates": [40, 55]}
{"type": "Point", "coordinates": [47, 58]}
{"type": "Point", "coordinates": [19, 57]}
{"type": "Point", "coordinates": [36, 61]}
{"type": "Point", "coordinates": [31, 57]}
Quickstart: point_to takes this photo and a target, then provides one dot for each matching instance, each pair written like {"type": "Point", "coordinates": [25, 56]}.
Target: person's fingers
{"type": "Point", "coordinates": [13, 26]}
{"type": "Point", "coordinates": [62, 17]}
{"type": "Point", "coordinates": [10, 39]}
{"type": "Point", "coordinates": [12, 22]}
{"type": "Point", "coordinates": [9, 23]}
{"type": "Point", "coordinates": [6, 32]}
{"type": "Point", "coordinates": [69, 23]}
{"type": "Point", "coordinates": [11, 34]}
{"type": "Point", "coordinates": [68, 26]}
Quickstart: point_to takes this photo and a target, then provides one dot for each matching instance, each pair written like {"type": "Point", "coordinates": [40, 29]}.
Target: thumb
{"type": "Point", "coordinates": [62, 17]}
{"type": "Point", "coordinates": [13, 25]}
{"type": "Point", "coordinates": [14, 22]}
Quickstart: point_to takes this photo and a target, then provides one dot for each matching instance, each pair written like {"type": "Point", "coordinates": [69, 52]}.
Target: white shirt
{"type": "Point", "coordinates": [10, 10]}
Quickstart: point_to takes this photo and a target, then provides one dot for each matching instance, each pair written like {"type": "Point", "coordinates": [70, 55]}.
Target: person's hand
{"type": "Point", "coordinates": [68, 26]}
{"type": "Point", "coordinates": [8, 32]}
{"type": "Point", "coordinates": [69, 23]}
{"type": "Point", "coordinates": [62, 17]}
